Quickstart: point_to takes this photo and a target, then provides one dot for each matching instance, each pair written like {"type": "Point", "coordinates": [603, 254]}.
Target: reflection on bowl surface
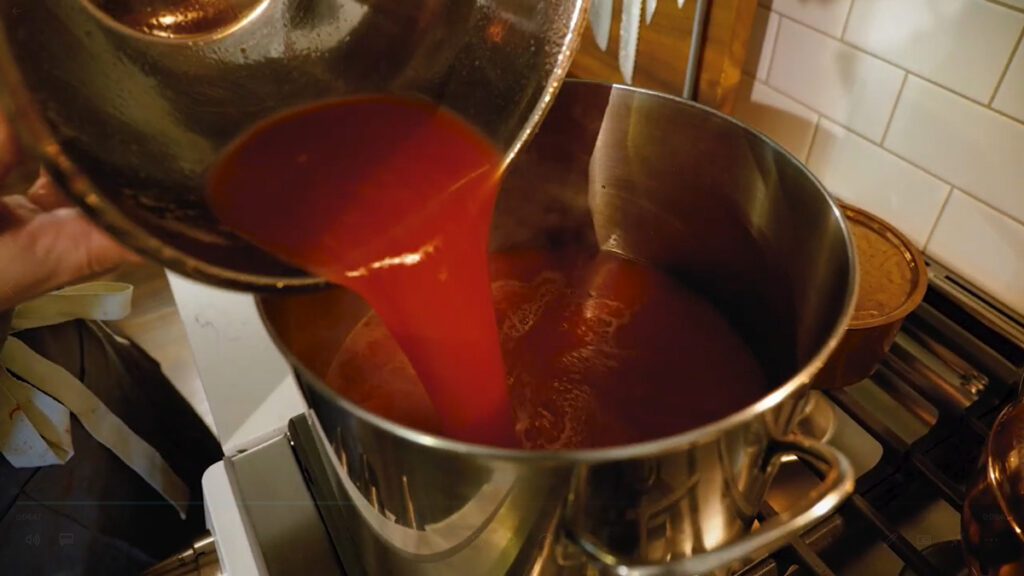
{"type": "Point", "coordinates": [178, 18]}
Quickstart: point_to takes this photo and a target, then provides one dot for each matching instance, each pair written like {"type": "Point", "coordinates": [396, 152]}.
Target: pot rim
{"type": "Point", "coordinates": [649, 448]}
{"type": "Point", "coordinates": [911, 253]}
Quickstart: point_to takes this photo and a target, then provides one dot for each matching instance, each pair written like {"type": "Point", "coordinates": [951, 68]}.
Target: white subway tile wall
{"type": "Point", "coordinates": [979, 151]}
{"type": "Point", "coordinates": [825, 15]}
{"type": "Point", "coordinates": [847, 85]}
{"type": "Point", "coordinates": [906, 196]}
{"type": "Point", "coordinates": [1010, 98]}
{"type": "Point", "coordinates": [785, 120]}
{"type": "Point", "coordinates": [983, 245]}
{"type": "Point", "coordinates": [911, 109]}
{"type": "Point", "coordinates": [960, 44]}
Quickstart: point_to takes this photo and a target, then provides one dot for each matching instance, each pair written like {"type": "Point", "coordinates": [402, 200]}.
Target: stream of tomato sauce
{"type": "Point", "coordinates": [392, 198]}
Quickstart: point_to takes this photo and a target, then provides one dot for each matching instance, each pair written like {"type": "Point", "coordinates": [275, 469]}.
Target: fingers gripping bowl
{"type": "Point", "coordinates": [686, 191]}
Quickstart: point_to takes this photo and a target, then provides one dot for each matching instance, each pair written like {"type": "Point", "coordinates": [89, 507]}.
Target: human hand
{"type": "Point", "coordinates": [45, 243]}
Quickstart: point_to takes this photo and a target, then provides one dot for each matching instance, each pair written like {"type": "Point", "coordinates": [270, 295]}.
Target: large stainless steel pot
{"type": "Point", "coordinates": [690, 191]}
{"type": "Point", "coordinates": [128, 122]}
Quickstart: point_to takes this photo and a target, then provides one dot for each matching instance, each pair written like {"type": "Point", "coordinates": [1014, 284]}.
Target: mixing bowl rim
{"type": "Point", "coordinates": [913, 257]}
{"type": "Point", "coordinates": [37, 140]}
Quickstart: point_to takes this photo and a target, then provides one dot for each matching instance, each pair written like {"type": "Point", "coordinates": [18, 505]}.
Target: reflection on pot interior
{"type": "Point", "coordinates": [599, 350]}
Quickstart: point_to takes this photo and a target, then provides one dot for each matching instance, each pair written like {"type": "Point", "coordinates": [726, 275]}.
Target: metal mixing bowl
{"type": "Point", "coordinates": [128, 120]}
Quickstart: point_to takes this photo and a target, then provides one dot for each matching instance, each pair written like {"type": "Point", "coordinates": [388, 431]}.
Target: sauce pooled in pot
{"type": "Point", "coordinates": [599, 351]}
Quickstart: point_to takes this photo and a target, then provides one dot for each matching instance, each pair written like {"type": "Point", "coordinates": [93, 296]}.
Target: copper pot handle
{"type": "Point", "coordinates": [823, 500]}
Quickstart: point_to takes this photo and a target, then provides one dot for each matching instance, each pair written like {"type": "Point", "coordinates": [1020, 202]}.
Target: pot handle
{"type": "Point", "coordinates": [823, 500]}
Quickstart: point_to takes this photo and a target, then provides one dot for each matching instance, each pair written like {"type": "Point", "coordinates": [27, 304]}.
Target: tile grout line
{"type": "Point", "coordinates": [822, 116]}
{"type": "Point", "coordinates": [754, 80]}
{"type": "Point", "coordinates": [1006, 68]}
{"type": "Point", "coordinates": [846, 21]}
{"type": "Point", "coordinates": [810, 145]}
{"type": "Point", "coordinates": [1002, 4]}
{"type": "Point", "coordinates": [892, 112]}
{"type": "Point", "coordinates": [938, 216]}
{"type": "Point", "coordinates": [942, 179]}
{"type": "Point", "coordinates": [973, 196]}
{"type": "Point", "coordinates": [812, 28]}
{"type": "Point", "coordinates": [885, 60]}
{"type": "Point", "coordinates": [986, 204]}
{"type": "Point", "coordinates": [817, 117]}
{"type": "Point", "coordinates": [775, 45]}
{"type": "Point", "coordinates": [928, 171]}
{"type": "Point", "coordinates": [820, 113]}
{"type": "Point", "coordinates": [880, 144]}
{"type": "Point", "coordinates": [898, 155]}
{"type": "Point", "coordinates": [1017, 121]}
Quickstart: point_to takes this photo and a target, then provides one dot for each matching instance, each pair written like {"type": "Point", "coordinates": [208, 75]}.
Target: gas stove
{"type": "Point", "coordinates": [914, 431]}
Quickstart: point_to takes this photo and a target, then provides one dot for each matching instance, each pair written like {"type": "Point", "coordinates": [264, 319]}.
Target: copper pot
{"type": "Point", "coordinates": [892, 279]}
{"type": "Point", "coordinates": [993, 514]}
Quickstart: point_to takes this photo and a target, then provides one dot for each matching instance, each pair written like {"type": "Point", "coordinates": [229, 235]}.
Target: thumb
{"type": "Point", "coordinates": [81, 248]}
{"type": "Point", "coordinates": [52, 250]}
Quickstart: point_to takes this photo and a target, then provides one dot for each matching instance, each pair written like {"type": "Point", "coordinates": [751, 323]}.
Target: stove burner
{"type": "Point", "coordinates": [948, 555]}
{"type": "Point", "coordinates": [928, 408]}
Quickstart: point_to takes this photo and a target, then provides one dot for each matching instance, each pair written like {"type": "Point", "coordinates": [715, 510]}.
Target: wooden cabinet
{"type": "Point", "coordinates": [663, 49]}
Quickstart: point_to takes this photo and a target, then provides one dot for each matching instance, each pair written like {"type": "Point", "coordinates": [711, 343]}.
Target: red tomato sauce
{"type": "Point", "coordinates": [392, 198]}
{"type": "Point", "coordinates": [599, 351]}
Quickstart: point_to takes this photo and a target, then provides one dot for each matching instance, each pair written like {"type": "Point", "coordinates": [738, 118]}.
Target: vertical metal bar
{"type": "Point", "coordinates": [950, 492]}
{"type": "Point", "coordinates": [803, 553]}
{"type": "Point", "coordinates": [700, 16]}
{"type": "Point", "coordinates": [890, 441]}
{"type": "Point", "coordinates": [910, 555]}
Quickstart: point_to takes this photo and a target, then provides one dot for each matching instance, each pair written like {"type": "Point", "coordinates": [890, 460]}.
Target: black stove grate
{"type": "Point", "coordinates": [957, 362]}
